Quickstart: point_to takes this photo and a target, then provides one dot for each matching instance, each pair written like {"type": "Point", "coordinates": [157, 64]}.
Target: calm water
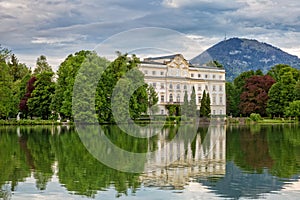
{"type": "Point", "coordinates": [257, 162]}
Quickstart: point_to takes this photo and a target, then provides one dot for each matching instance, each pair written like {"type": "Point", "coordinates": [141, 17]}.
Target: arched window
{"type": "Point", "coordinates": [178, 98]}
{"type": "Point", "coordinates": [171, 97]}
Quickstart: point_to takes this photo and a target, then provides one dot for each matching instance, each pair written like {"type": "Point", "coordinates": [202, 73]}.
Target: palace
{"type": "Point", "coordinates": [172, 75]}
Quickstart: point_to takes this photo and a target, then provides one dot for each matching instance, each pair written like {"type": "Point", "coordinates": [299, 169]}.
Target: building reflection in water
{"type": "Point", "coordinates": [205, 156]}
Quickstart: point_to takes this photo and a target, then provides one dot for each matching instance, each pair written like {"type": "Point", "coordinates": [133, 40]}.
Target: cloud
{"type": "Point", "coordinates": [61, 27]}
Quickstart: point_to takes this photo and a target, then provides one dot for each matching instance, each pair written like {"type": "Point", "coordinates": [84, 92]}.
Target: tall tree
{"type": "Point", "coordinates": [185, 106]}
{"type": "Point", "coordinates": [293, 110]}
{"type": "Point", "coordinates": [41, 98]}
{"type": "Point", "coordinates": [297, 90]}
{"type": "Point", "coordinates": [42, 65]}
{"type": "Point", "coordinates": [205, 109]}
{"type": "Point", "coordinates": [274, 71]}
{"type": "Point", "coordinates": [6, 92]}
{"type": "Point", "coordinates": [110, 77]}
{"type": "Point", "coordinates": [17, 70]}
{"type": "Point", "coordinates": [152, 99]}
{"type": "Point", "coordinates": [281, 93]}
{"type": "Point", "coordinates": [23, 105]}
{"type": "Point", "coordinates": [67, 71]}
{"type": "Point", "coordinates": [231, 100]}
{"type": "Point", "coordinates": [192, 103]}
{"type": "Point", "coordinates": [207, 104]}
{"type": "Point", "coordinates": [4, 54]}
{"type": "Point", "coordinates": [255, 95]}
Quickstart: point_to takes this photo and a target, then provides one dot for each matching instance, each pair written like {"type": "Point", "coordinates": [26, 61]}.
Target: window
{"type": "Point", "coordinates": [171, 86]}
{"type": "Point", "coordinates": [153, 73]}
{"type": "Point", "coordinates": [220, 77]}
{"type": "Point", "coordinates": [161, 73]}
{"type": "Point", "coordinates": [185, 87]}
{"type": "Point", "coordinates": [206, 87]}
{"type": "Point", "coordinates": [178, 98]}
{"type": "Point", "coordinates": [220, 88]}
{"type": "Point", "coordinates": [162, 86]}
{"type": "Point", "coordinates": [214, 112]}
{"type": "Point", "coordinates": [192, 75]}
{"type": "Point", "coordinates": [199, 98]}
{"type": "Point", "coordinates": [162, 112]}
{"type": "Point", "coordinates": [146, 72]}
{"type": "Point", "coordinates": [199, 88]}
{"type": "Point", "coordinates": [214, 88]}
{"type": "Point", "coordinates": [206, 76]}
{"type": "Point", "coordinates": [214, 100]}
{"type": "Point", "coordinates": [214, 76]}
{"type": "Point", "coordinates": [178, 86]}
{"type": "Point", "coordinates": [154, 85]}
{"type": "Point", "coordinates": [162, 98]}
{"type": "Point", "coordinates": [171, 98]}
{"type": "Point", "coordinates": [221, 112]}
{"type": "Point", "coordinates": [221, 100]}
{"type": "Point", "coordinates": [199, 75]}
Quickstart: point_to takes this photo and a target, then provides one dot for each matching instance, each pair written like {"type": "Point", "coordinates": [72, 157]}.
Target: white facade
{"type": "Point", "coordinates": [172, 75]}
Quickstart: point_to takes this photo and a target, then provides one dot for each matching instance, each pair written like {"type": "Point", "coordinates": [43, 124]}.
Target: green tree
{"type": "Point", "coordinates": [67, 72]}
{"type": "Point", "coordinates": [297, 90]}
{"type": "Point", "coordinates": [6, 91]}
{"type": "Point", "coordinates": [281, 94]}
{"type": "Point", "coordinates": [185, 106]}
{"type": "Point", "coordinates": [4, 54]}
{"type": "Point", "coordinates": [207, 104]}
{"type": "Point", "coordinates": [41, 98]}
{"type": "Point", "coordinates": [42, 65]}
{"type": "Point", "coordinates": [17, 70]}
{"type": "Point", "coordinates": [114, 72]}
{"type": "Point", "coordinates": [192, 104]}
{"type": "Point", "coordinates": [205, 109]}
{"type": "Point", "coordinates": [293, 110]}
{"type": "Point", "coordinates": [152, 99]}
{"type": "Point", "coordinates": [231, 100]}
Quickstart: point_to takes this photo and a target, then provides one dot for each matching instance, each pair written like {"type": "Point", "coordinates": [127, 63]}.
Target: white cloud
{"type": "Point", "coordinates": [61, 27]}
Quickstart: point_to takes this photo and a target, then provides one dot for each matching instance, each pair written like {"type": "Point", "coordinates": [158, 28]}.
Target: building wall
{"type": "Point", "coordinates": [172, 77]}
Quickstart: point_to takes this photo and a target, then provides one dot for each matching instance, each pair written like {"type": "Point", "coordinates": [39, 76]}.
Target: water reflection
{"type": "Point", "coordinates": [231, 162]}
{"type": "Point", "coordinates": [204, 156]}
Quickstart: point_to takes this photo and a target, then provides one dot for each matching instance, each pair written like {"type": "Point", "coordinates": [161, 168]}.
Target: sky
{"type": "Point", "coordinates": [57, 28]}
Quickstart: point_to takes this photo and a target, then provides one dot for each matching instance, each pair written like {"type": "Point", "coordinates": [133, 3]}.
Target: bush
{"type": "Point", "coordinates": [255, 117]}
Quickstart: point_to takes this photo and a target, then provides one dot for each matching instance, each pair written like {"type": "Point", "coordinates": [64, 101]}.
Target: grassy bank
{"type": "Point", "coordinates": [29, 122]}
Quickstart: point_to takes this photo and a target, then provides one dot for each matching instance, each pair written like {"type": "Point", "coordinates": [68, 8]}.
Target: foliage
{"type": "Point", "coordinates": [67, 71]}
{"type": "Point", "coordinates": [152, 99]}
{"type": "Point", "coordinates": [173, 110]}
{"type": "Point", "coordinates": [231, 100]}
{"type": "Point", "coordinates": [297, 90]}
{"type": "Point", "coordinates": [185, 106]}
{"type": "Point", "coordinates": [255, 95]}
{"type": "Point", "coordinates": [42, 65]}
{"type": "Point", "coordinates": [6, 92]}
{"type": "Point", "coordinates": [282, 92]}
{"type": "Point", "coordinates": [109, 79]}
{"type": "Point", "coordinates": [293, 110]}
{"type": "Point", "coordinates": [255, 117]}
{"type": "Point", "coordinates": [4, 54]}
{"type": "Point", "coordinates": [41, 96]}
{"type": "Point", "coordinates": [192, 104]}
{"type": "Point", "coordinates": [205, 109]}
{"type": "Point", "coordinates": [23, 105]}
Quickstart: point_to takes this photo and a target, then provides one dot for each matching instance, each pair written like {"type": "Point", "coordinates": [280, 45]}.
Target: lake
{"type": "Point", "coordinates": [218, 162]}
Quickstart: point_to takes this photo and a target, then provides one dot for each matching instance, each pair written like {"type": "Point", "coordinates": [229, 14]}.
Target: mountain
{"type": "Point", "coordinates": [238, 55]}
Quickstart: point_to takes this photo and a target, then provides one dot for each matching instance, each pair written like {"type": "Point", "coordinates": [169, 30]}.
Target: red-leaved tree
{"type": "Point", "coordinates": [254, 97]}
{"type": "Point", "coordinates": [23, 103]}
